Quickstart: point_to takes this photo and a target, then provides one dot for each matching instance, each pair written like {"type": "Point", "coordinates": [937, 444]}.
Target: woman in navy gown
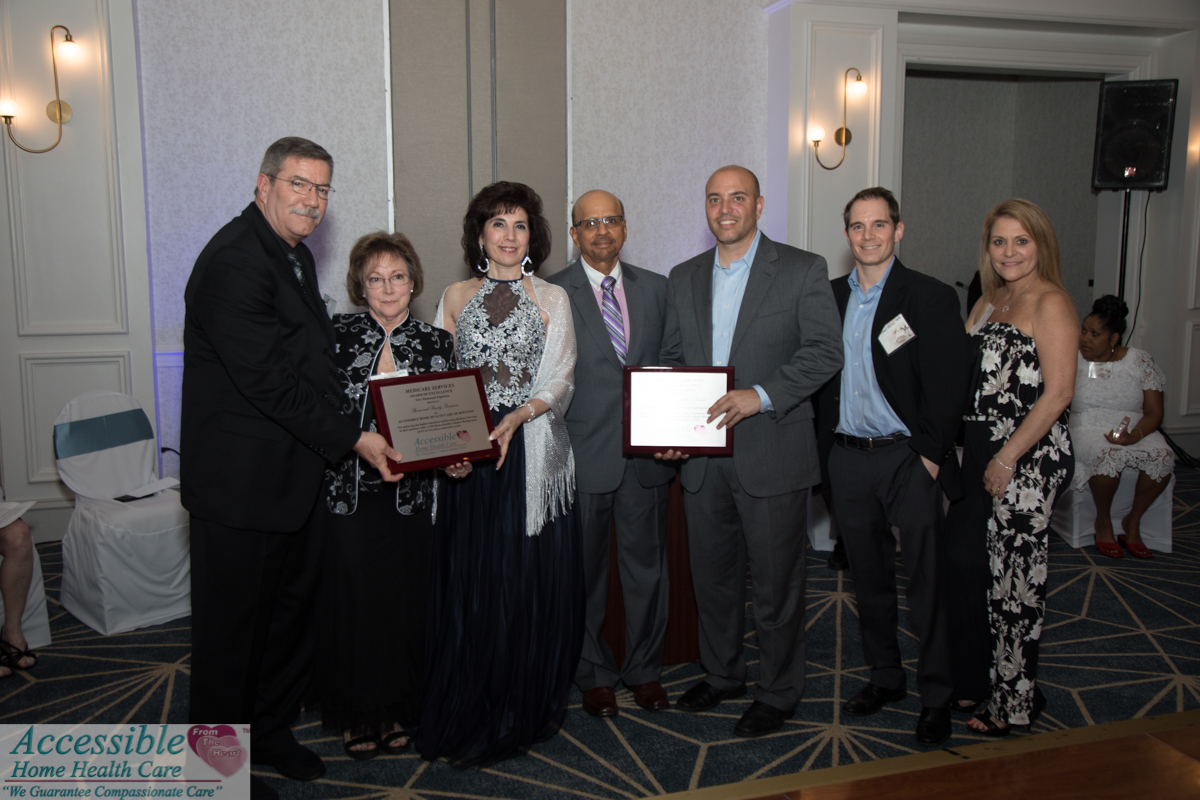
{"type": "Point", "coordinates": [506, 596]}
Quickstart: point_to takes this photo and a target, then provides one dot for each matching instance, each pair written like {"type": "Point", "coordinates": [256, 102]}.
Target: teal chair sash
{"type": "Point", "coordinates": [101, 433]}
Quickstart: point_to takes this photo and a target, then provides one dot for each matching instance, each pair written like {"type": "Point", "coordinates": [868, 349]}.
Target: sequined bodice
{"type": "Point", "coordinates": [501, 331]}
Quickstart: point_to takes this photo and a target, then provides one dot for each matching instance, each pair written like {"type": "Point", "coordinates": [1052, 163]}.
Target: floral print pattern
{"type": "Point", "coordinates": [1018, 530]}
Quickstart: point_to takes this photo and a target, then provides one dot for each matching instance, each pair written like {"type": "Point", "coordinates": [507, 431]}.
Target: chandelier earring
{"type": "Point", "coordinates": [526, 263]}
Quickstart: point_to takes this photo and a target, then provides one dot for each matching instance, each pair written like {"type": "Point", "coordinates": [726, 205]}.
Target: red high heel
{"type": "Point", "coordinates": [1109, 549]}
{"type": "Point", "coordinates": [1138, 550]}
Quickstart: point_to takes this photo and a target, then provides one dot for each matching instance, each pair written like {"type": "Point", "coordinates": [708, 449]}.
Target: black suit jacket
{"type": "Point", "coordinates": [595, 416]}
{"type": "Point", "coordinates": [925, 380]}
{"type": "Point", "coordinates": [257, 422]}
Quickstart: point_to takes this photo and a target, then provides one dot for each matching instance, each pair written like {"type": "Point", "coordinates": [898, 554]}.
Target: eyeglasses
{"type": "Point", "coordinates": [301, 186]}
{"type": "Point", "coordinates": [397, 280]}
{"type": "Point", "coordinates": [593, 223]}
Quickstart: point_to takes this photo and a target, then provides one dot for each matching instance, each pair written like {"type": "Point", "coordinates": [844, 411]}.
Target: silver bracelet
{"type": "Point", "coordinates": [532, 413]}
{"type": "Point", "coordinates": [1001, 463]}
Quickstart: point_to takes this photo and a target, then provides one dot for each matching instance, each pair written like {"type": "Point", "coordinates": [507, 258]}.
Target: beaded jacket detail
{"type": "Point", "coordinates": [416, 347]}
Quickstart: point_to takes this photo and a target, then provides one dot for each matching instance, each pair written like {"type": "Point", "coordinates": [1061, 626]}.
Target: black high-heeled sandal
{"type": "Point", "coordinates": [970, 708]}
{"type": "Point", "coordinates": [990, 727]}
{"type": "Point", "coordinates": [387, 742]}
{"type": "Point", "coordinates": [11, 655]}
{"type": "Point", "coordinates": [358, 737]}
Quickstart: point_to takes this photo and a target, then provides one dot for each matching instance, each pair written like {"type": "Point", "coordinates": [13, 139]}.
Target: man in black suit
{"type": "Point", "coordinates": [766, 310]}
{"type": "Point", "coordinates": [257, 432]}
{"type": "Point", "coordinates": [887, 430]}
{"type": "Point", "coordinates": [618, 311]}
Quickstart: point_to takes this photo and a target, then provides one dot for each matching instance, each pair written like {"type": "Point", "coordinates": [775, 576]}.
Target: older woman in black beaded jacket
{"type": "Point", "coordinates": [368, 677]}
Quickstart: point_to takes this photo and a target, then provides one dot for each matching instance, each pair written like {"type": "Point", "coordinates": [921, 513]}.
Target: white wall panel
{"type": "Point", "coordinates": [1189, 399]}
{"type": "Point", "coordinates": [823, 42]}
{"type": "Point", "coordinates": [72, 236]}
{"type": "Point", "coordinates": [48, 381]}
{"type": "Point", "coordinates": [66, 223]}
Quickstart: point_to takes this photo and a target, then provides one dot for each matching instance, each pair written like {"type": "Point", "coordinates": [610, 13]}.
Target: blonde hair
{"type": "Point", "coordinates": [1035, 222]}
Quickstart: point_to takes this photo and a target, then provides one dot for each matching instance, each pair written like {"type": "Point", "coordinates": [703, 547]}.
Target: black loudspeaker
{"type": "Point", "coordinates": [1133, 134]}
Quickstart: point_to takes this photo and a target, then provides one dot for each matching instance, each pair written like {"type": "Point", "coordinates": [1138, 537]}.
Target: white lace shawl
{"type": "Point", "coordinates": [549, 461]}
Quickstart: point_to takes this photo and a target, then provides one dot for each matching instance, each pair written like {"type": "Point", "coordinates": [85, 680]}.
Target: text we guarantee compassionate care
{"type": "Point", "coordinates": [124, 761]}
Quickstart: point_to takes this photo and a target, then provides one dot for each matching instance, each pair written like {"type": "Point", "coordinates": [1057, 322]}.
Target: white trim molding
{"type": "Point", "coordinates": [30, 196]}
{"type": "Point", "coordinates": [43, 399]}
{"type": "Point", "coordinates": [1187, 403]}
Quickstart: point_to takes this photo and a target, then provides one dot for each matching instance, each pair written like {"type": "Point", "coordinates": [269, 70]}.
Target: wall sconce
{"type": "Point", "coordinates": [57, 110]}
{"type": "Point", "coordinates": [842, 135]}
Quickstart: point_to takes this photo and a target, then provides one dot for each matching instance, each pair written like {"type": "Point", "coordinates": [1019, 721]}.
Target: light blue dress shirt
{"type": "Point", "coordinates": [728, 288]}
{"type": "Point", "coordinates": [864, 411]}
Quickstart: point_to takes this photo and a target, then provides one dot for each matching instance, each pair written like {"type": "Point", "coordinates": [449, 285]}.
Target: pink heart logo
{"type": "Point", "coordinates": [464, 435]}
{"type": "Point", "coordinates": [217, 746]}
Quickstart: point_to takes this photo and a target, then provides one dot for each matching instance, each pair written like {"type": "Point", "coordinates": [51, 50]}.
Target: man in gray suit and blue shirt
{"type": "Point", "coordinates": [618, 311]}
{"type": "Point", "coordinates": [765, 309]}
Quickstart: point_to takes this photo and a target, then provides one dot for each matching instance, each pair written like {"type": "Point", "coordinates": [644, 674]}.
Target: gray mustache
{"type": "Point", "coordinates": [306, 211]}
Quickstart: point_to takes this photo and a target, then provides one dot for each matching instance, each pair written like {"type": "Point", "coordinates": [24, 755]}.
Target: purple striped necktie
{"type": "Point", "coordinates": [612, 317]}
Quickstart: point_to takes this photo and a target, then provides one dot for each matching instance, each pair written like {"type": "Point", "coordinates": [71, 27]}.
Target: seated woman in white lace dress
{"type": "Point", "coordinates": [1115, 415]}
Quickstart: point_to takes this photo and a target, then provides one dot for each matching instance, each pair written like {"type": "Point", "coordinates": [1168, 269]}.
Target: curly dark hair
{"type": "Point", "coordinates": [504, 197]}
{"type": "Point", "coordinates": [368, 249]}
{"type": "Point", "coordinates": [1111, 311]}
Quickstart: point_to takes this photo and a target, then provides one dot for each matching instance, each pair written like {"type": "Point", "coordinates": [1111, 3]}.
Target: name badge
{"type": "Point", "coordinates": [895, 334]}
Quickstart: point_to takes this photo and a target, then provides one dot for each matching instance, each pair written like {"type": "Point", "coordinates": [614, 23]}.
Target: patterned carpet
{"type": "Point", "coordinates": [1122, 640]}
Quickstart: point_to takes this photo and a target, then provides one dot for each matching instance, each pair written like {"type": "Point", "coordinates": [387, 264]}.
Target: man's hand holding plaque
{"type": "Point", "coordinates": [674, 412]}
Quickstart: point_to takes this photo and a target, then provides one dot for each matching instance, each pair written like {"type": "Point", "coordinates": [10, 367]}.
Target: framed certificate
{"type": "Point", "coordinates": [434, 419]}
{"type": "Point", "coordinates": [666, 408]}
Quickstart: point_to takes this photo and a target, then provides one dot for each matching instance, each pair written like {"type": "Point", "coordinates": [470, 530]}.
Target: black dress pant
{"type": "Point", "coordinates": [252, 634]}
{"type": "Point", "coordinates": [874, 490]}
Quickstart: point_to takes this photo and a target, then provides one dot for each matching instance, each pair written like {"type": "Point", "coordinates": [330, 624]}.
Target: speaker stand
{"type": "Point", "coordinates": [1124, 246]}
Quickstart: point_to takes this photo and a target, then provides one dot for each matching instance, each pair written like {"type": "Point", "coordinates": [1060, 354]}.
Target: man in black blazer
{"type": "Point", "coordinates": [618, 312]}
{"type": "Point", "coordinates": [766, 310]}
{"type": "Point", "coordinates": [887, 429]}
{"type": "Point", "coordinates": [257, 432]}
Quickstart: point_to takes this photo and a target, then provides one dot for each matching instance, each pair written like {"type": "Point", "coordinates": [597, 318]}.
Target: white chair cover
{"type": "Point", "coordinates": [1074, 516]}
{"type": "Point", "coordinates": [125, 565]}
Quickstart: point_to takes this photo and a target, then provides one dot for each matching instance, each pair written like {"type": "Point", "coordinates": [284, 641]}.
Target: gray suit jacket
{"type": "Point", "coordinates": [594, 419]}
{"type": "Point", "coordinates": [788, 339]}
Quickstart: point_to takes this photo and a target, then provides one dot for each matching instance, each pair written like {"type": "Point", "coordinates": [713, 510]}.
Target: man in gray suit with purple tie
{"type": "Point", "coordinates": [618, 311]}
